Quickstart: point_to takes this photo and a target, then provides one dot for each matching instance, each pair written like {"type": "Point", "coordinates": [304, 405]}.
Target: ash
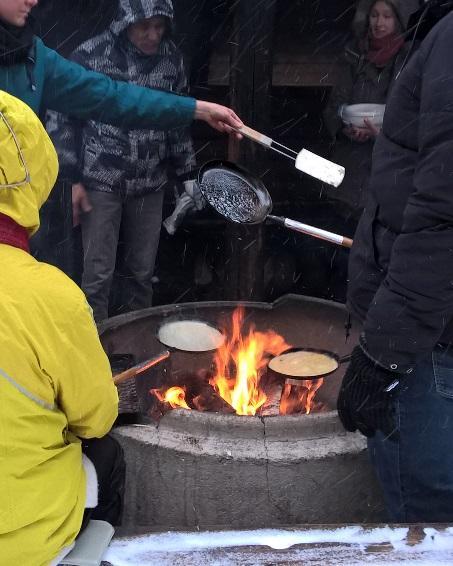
{"type": "Point", "coordinates": [231, 197]}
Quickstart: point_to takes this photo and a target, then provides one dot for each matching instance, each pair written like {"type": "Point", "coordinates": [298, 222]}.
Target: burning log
{"type": "Point", "coordinates": [272, 406]}
{"type": "Point", "coordinates": [209, 400]}
{"type": "Point", "coordinates": [298, 398]}
{"type": "Point", "coordinates": [239, 381]}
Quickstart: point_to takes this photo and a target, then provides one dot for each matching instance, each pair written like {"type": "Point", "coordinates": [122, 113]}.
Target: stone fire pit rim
{"type": "Point", "coordinates": [133, 316]}
{"type": "Point", "coordinates": [310, 426]}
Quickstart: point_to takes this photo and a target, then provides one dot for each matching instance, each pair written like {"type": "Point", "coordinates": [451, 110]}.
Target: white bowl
{"type": "Point", "coordinates": [354, 114]}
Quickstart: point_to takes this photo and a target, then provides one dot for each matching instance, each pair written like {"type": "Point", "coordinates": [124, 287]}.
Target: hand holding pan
{"type": "Point", "coordinates": [306, 161]}
{"type": "Point", "coordinates": [243, 199]}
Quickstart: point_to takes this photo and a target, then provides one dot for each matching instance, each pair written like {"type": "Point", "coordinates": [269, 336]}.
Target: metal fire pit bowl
{"type": "Point", "coordinates": [203, 469]}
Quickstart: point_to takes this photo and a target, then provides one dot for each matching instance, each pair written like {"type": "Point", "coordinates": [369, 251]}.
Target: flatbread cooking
{"type": "Point", "coordinates": [190, 335]}
{"type": "Point", "coordinates": [303, 364]}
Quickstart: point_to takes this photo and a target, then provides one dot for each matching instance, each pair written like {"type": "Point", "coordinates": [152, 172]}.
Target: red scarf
{"type": "Point", "coordinates": [382, 50]}
{"type": "Point", "coordinates": [13, 234]}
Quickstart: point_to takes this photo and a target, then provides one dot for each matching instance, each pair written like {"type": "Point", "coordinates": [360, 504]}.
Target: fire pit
{"type": "Point", "coordinates": [223, 462]}
{"type": "Point", "coordinates": [240, 378]}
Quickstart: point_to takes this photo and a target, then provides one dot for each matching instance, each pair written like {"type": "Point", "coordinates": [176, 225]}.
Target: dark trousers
{"type": "Point", "coordinates": [122, 232]}
{"type": "Point", "coordinates": [416, 472]}
{"type": "Point", "coordinates": [107, 457]}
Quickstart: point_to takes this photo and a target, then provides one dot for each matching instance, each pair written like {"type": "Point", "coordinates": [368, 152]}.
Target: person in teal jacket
{"type": "Point", "coordinates": [44, 80]}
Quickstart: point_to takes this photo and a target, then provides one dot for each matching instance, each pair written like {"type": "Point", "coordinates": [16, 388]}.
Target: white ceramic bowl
{"type": "Point", "coordinates": [354, 114]}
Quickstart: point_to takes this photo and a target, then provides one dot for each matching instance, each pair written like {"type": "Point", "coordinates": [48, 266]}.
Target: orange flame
{"type": "Point", "coordinates": [239, 364]}
{"type": "Point", "coordinates": [175, 396]}
{"type": "Point", "coordinates": [299, 398]}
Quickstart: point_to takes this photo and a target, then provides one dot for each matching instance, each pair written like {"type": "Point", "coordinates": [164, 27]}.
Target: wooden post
{"type": "Point", "coordinates": [250, 89]}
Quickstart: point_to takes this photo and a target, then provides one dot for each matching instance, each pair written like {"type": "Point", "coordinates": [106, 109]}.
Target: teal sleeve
{"type": "Point", "coordinates": [71, 89]}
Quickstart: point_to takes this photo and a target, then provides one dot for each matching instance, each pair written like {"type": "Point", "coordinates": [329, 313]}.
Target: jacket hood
{"type": "Point", "coordinates": [22, 203]}
{"type": "Point", "coordinates": [132, 11]}
{"type": "Point", "coordinates": [403, 9]}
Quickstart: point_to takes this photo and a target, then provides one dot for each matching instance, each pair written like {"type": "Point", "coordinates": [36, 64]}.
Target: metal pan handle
{"type": "Point", "coordinates": [312, 231]}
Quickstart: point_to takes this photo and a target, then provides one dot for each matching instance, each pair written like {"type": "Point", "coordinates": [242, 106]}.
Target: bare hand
{"type": "Point", "coordinates": [80, 203]}
{"type": "Point", "coordinates": [372, 128]}
{"type": "Point", "coordinates": [356, 134]}
{"type": "Point", "coordinates": [218, 117]}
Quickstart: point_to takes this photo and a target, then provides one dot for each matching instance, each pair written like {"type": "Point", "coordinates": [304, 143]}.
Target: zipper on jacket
{"type": "Point", "coordinates": [30, 68]}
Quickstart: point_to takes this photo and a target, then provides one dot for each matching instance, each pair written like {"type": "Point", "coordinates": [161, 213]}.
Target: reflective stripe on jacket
{"type": "Point", "coordinates": [55, 379]}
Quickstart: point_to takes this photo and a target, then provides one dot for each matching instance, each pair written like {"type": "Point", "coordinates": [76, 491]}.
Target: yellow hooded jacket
{"type": "Point", "coordinates": [55, 379]}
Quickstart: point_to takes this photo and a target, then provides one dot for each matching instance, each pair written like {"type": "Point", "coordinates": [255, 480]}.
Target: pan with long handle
{"type": "Point", "coordinates": [194, 336]}
{"type": "Point", "coordinates": [306, 161]}
{"type": "Point", "coordinates": [311, 231]}
{"type": "Point", "coordinates": [242, 198]}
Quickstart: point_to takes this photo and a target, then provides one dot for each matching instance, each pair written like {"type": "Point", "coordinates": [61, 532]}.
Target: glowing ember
{"type": "Point", "coordinates": [175, 397]}
{"type": "Point", "coordinates": [239, 364]}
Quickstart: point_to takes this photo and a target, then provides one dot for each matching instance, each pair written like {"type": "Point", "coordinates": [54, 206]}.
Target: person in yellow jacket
{"type": "Point", "coordinates": [55, 380]}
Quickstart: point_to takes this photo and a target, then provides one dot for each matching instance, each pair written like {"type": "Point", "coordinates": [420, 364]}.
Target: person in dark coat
{"type": "Point", "coordinates": [369, 65]}
{"type": "Point", "coordinates": [398, 389]}
{"type": "Point", "coordinates": [121, 172]}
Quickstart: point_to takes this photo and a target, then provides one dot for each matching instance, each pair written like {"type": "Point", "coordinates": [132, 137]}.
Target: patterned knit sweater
{"type": "Point", "coordinates": [107, 158]}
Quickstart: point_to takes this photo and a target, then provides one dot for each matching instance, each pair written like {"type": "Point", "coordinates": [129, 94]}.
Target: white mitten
{"type": "Point", "coordinates": [192, 188]}
{"type": "Point", "coordinates": [190, 200]}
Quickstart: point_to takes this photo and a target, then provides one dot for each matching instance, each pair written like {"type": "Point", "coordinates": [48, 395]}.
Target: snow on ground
{"type": "Point", "coordinates": [348, 546]}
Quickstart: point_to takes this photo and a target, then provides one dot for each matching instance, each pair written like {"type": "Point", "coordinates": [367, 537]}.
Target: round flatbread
{"type": "Point", "coordinates": [303, 364]}
{"type": "Point", "coordinates": [190, 335]}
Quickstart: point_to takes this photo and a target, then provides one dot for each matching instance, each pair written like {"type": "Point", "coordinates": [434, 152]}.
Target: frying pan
{"type": "Point", "coordinates": [242, 198]}
{"type": "Point", "coordinates": [177, 335]}
{"type": "Point", "coordinates": [296, 379]}
{"type": "Point", "coordinates": [172, 335]}
{"type": "Point", "coordinates": [305, 160]}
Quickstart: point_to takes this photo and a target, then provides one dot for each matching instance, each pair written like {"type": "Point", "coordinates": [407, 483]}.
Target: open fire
{"type": "Point", "coordinates": [239, 381]}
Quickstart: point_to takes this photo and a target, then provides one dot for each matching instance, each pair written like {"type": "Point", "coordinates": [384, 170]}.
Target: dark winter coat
{"type": "Point", "coordinates": [401, 264]}
{"type": "Point", "coordinates": [108, 158]}
{"type": "Point", "coordinates": [360, 82]}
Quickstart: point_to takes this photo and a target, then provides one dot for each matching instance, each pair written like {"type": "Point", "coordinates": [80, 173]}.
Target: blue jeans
{"type": "Point", "coordinates": [416, 472]}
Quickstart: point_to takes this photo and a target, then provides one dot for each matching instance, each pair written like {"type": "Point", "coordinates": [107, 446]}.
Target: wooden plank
{"type": "Point", "coordinates": [250, 88]}
{"type": "Point", "coordinates": [300, 71]}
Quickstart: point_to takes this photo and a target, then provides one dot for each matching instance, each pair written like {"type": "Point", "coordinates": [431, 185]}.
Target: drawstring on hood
{"type": "Point", "coordinates": [21, 201]}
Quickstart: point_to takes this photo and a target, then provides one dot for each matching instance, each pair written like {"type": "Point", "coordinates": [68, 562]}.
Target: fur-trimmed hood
{"type": "Point", "coordinates": [403, 9]}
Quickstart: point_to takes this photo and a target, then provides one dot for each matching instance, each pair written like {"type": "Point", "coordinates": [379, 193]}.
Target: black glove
{"type": "Point", "coordinates": [366, 394]}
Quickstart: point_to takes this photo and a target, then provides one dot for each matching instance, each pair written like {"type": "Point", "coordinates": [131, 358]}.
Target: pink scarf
{"type": "Point", "coordinates": [382, 50]}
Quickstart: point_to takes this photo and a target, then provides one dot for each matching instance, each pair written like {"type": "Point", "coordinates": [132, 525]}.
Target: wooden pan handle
{"type": "Point", "coordinates": [139, 368]}
{"type": "Point", "coordinates": [255, 136]}
{"type": "Point", "coordinates": [347, 242]}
